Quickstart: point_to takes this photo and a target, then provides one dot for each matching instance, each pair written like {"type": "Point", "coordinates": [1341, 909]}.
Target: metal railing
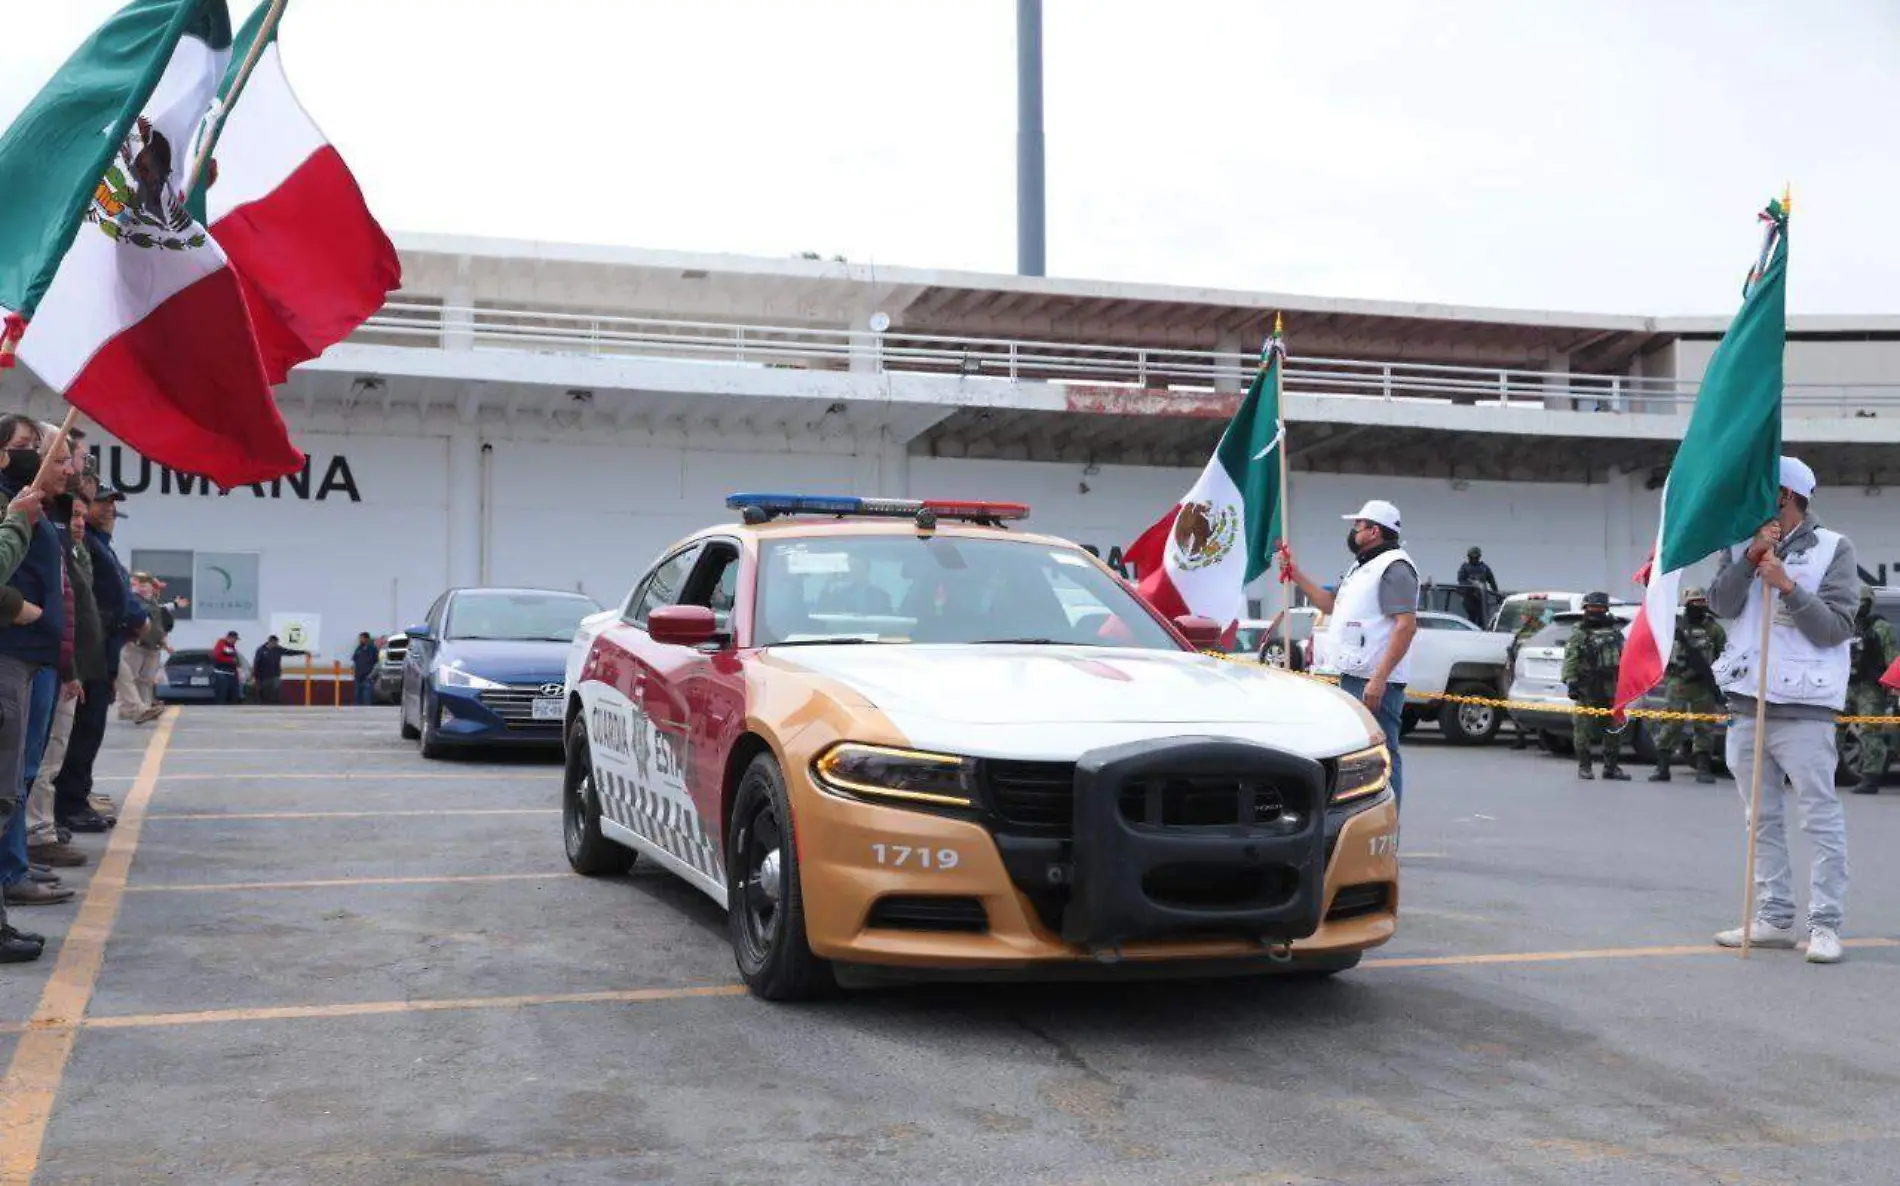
{"type": "Point", "coordinates": [1134, 368]}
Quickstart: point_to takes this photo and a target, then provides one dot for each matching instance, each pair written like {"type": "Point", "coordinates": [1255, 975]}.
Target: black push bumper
{"type": "Point", "coordinates": [1195, 835]}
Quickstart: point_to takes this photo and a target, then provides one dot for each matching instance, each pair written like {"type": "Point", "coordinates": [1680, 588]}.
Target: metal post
{"type": "Point", "coordinates": [1029, 190]}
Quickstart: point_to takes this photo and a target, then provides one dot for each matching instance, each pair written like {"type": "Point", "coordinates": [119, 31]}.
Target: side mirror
{"type": "Point", "coordinates": [1202, 633]}
{"type": "Point", "coordinates": [417, 632]}
{"type": "Point", "coordinates": [682, 625]}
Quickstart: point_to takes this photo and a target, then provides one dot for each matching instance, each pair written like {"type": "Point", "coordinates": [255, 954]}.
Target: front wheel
{"type": "Point", "coordinates": [409, 732]}
{"type": "Point", "coordinates": [590, 853]}
{"type": "Point", "coordinates": [766, 907]}
{"type": "Point", "coordinates": [433, 747]}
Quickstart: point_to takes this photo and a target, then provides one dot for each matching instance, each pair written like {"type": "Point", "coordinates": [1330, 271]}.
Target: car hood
{"type": "Point", "coordinates": [1057, 702]}
{"type": "Point", "coordinates": [507, 662]}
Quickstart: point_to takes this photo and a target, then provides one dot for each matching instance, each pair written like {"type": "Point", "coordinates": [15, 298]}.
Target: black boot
{"type": "Point", "coordinates": [1662, 769]}
{"type": "Point", "coordinates": [1612, 771]}
{"type": "Point", "coordinates": [1703, 773]}
{"type": "Point", "coordinates": [1583, 769]}
{"type": "Point", "coordinates": [1869, 784]}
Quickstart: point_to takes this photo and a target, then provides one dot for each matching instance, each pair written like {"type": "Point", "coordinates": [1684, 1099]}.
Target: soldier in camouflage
{"type": "Point", "coordinates": [1591, 657]}
{"type": "Point", "coordinates": [1533, 622]}
{"type": "Point", "coordinates": [1873, 651]}
{"type": "Point", "coordinates": [1691, 687]}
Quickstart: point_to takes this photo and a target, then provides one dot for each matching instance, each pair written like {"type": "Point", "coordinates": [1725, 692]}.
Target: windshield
{"type": "Point", "coordinates": [517, 617]}
{"type": "Point", "coordinates": [943, 589]}
{"type": "Point", "coordinates": [1514, 612]}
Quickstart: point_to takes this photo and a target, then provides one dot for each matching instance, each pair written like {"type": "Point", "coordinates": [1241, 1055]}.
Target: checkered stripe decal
{"type": "Point", "coordinates": [668, 824]}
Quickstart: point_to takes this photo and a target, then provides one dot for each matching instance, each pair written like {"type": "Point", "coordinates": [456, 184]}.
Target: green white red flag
{"type": "Point", "coordinates": [1200, 557]}
{"type": "Point", "coordinates": [1722, 484]}
{"type": "Point", "coordinates": [114, 290]}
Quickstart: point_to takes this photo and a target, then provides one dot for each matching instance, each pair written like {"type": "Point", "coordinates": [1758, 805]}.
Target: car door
{"type": "Point", "coordinates": [637, 721]}
{"type": "Point", "coordinates": [708, 683]}
{"type": "Point", "coordinates": [416, 660]}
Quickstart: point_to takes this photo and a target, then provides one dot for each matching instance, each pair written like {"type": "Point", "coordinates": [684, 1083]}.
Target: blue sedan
{"type": "Point", "coordinates": [488, 667]}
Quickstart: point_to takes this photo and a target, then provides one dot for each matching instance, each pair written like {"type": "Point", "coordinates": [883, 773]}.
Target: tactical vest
{"type": "Point", "coordinates": [1600, 655]}
{"type": "Point", "coordinates": [1870, 657]}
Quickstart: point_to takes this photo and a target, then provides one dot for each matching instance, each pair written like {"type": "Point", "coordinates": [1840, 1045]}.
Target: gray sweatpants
{"type": "Point", "coordinates": [1803, 751]}
{"type": "Point", "coordinates": [15, 698]}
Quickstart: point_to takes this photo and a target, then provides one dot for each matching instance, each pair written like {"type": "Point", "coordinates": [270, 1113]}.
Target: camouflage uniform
{"type": "Point", "coordinates": [1873, 651]}
{"type": "Point", "coordinates": [1688, 688]}
{"type": "Point", "coordinates": [1591, 657]}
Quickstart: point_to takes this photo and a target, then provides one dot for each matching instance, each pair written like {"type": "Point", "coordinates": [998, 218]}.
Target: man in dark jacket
{"type": "Point", "coordinates": [121, 616]}
{"type": "Point", "coordinates": [30, 654]}
{"type": "Point", "coordinates": [18, 532]}
{"type": "Point", "coordinates": [1479, 586]}
{"type": "Point", "coordinates": [267, 668]}
{"type": "Point", "coordinates": [43, 844]}
{"type": "Point", "coordinates": [363, 664]}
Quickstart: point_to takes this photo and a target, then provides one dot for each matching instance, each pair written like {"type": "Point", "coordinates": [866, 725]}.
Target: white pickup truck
{"type": "Point", "coordinates": [1449, 654]}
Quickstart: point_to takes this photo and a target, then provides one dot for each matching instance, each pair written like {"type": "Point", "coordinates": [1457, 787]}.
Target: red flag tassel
{"type": "Point", "coordinates": [10, 334]}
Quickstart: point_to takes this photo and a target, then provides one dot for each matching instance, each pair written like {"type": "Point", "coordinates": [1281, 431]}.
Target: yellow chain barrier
{"type": "Point", "coordinates": [1636, 714]}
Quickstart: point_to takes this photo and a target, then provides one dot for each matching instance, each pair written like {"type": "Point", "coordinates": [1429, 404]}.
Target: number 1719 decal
{"type": "Point", "coordinates": [899, 856]}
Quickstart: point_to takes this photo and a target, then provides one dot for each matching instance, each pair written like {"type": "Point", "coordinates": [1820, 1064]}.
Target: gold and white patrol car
{"type": "Point", "coordinates": [892, 736]}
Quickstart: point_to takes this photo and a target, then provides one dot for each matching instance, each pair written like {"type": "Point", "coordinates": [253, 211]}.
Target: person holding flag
{"type": "Point", "coordinates": [1373, 618]}
{"type": "Point", "coordinates": [1803, 680]}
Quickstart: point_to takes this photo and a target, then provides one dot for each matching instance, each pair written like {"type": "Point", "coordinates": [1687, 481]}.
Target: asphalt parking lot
{"type": "Point", "coordinates": [310, 957]}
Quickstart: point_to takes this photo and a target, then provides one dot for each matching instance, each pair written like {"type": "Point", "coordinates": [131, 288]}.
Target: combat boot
{"type": "Point", "coordinates": [1614, 772]}
{"type": "Point", "coordinates": [1703, 773]}
{"type": "Point", "coordinates": [1583, 768]}
{"type": "Point", "coordinates": [1869, 784]}
{"type": "Point", "coordinates": [1662, 768]}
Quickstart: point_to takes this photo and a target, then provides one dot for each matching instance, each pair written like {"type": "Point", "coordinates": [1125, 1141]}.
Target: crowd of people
{"type": "Point", "coordinates": [78, 633]}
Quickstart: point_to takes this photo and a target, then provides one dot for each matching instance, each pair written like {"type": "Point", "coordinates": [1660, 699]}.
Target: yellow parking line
{"type": "Point", "coordinates": [374, 1008]}
{"type": "Point", "coordinates": [39, 1062]}
{"type": "Point", "coordinates": [338, 882]}
{"type": "Point", "coordinates": [1550, 957]}
{"type": "Point", "coordinates": [246, 815]}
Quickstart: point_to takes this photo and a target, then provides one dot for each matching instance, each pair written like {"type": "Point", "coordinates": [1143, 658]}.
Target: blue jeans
{"type": "Point", "coordinates": [365, 690]}
{"type": "Point", "coordinates": [42, 700]}
{"type": "Point", "coordinates": [1388, 718]}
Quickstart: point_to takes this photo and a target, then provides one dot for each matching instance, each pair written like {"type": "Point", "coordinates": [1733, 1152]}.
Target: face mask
{"type": "Point", "coordinates": [23, 465]}
{"type": "Point", "coordinates": [1595, 615]}
{"type": "Point", "coordinates": [1697, 613]}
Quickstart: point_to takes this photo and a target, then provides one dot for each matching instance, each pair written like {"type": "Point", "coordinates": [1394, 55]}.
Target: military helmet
{"type": "Point", "coordinates": [1694, 594]}
{"type": "Point", "coordinates": [1473, 553]}
{"type": "Point", "coordinates": [1596, 599]}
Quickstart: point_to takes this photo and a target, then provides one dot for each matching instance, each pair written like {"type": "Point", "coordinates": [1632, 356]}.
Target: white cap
{"type": "Point", "coordinates": [1378, 511]}
{"type": "Point", "coordinates": [1797, 477]}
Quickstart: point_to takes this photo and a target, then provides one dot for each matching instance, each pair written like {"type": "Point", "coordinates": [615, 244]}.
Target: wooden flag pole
{"type": "Point", "coordinates": [52, 448]}
{"type": "Point", "coordinates": [205, 142]}
{"type": "Point", "coordinates": [1754, 793]}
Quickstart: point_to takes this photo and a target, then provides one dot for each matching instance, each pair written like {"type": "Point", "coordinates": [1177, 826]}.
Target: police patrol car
{"type": "Point", "coordinates": [892, 735]}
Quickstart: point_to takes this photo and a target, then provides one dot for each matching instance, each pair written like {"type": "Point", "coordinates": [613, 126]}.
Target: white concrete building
{"type": "Point", "coordinates": [551, 415]}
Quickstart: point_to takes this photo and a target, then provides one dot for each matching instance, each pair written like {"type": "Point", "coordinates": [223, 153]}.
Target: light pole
{"type": "Point", "coordinates": [1029, 188]}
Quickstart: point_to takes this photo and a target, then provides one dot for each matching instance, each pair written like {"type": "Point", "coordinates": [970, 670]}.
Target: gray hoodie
{"type": "Point", "coordinates": [1825, 619]}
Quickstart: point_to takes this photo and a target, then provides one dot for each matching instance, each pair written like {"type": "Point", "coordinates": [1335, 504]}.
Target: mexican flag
{"type": "Point", "coordinates": [115, 291]}
{"type": "Point", "coordinates": [1202, 554]}
{"type": "Point", "coordinates": [311, 260]}
{"type": "Point", "coordinates": [1722, 485]}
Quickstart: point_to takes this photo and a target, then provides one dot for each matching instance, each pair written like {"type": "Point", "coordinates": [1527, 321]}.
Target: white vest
{"type": "Point", "coordinates": [1359, 631]}
{"type": "Point", "coordinates": [1799, 671]}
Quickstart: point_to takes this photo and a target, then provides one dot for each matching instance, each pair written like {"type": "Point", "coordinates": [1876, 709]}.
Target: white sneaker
{"type": "Point", "coordinates": [1824, 946]}
{"type": "Point", "coordinates": [1760, 934]}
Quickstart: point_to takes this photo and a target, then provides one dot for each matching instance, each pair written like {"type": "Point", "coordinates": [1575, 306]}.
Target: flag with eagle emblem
{"type": "Point", "coordinates": [1200, 557]}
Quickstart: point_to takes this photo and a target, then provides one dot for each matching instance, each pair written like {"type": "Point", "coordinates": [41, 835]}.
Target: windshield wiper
{"type": "Point", "coordinates": [828, 642]}
{"type": "Point", "coordinates": [1027, 642]}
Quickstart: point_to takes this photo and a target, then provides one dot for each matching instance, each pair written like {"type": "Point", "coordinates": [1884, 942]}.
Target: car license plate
{"type": "Point", "coordinates": [200, 681]}
{"type": "Point", "coordinates": [547, 710]}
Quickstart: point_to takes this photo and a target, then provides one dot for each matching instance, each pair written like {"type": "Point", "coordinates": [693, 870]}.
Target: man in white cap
{"type": "Point", "coordinates": [1373, 616]}
{"type": "Point", "coordinates": [1815, 580]}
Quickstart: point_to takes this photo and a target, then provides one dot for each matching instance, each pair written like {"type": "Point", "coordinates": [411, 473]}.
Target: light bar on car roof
{"type": "Point", "coordinates": [773, 505]}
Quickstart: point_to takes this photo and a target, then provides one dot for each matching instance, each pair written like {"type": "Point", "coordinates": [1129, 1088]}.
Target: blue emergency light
{"type": "Point", "coordinates": [770, 506]}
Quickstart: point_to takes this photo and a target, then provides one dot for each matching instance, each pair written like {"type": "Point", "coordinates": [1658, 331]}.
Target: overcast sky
{"type": "Point", "coordinates": [1606, 155]}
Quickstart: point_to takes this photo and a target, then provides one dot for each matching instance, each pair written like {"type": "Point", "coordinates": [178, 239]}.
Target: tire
{"type": "Point", "coordinates": [409, 731]}
{"type": "Point", "coordinates": [1470, 724]}
{"type": "Point", "coordinates": [433, 747]}
{"type": "Point", "coordinates": [588, 852]}
{"type": "Point", "coordinates": [766, 916]}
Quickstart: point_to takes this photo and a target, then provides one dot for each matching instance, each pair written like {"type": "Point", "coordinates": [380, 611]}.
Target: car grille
{"type": "Point", "coordinates": [1356, 900]}
{"type": "Point", "coordinates": [1201, 801]}
{"type": "Point", "coordinates": [1035, 796]}
{"type": "Point", "coordinates": [929, 914]}
{"type": "Point", "coordinates": [515, 706]}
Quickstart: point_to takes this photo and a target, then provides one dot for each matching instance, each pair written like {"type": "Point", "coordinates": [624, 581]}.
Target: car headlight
{"type": "Point", "coordinates": [1362, 774]}
{"type": "Point", "coordinates": [455, 677]}
{"type": "Point", "coordinates": [901, 775]}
